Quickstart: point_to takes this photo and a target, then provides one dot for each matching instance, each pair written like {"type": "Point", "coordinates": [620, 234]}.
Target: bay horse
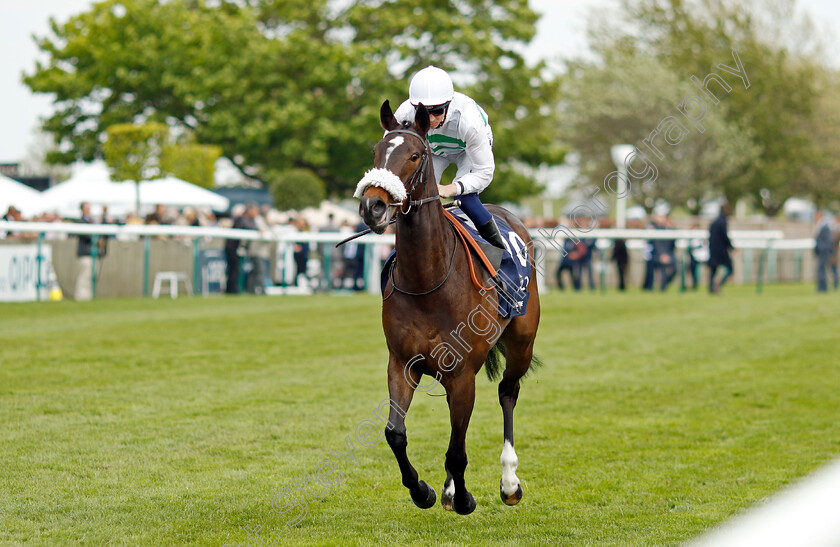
{"type": "Point", "coordinates": [429, 302]}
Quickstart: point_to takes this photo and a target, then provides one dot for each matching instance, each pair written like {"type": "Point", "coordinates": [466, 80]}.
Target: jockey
{"type": "Point", "coordinates": [460, 133]}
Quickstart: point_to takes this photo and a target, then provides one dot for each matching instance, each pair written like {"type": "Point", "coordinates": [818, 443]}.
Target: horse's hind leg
{"type": "Point", "coordinates": [509, 487]}
{"type": "Point", "coordinates": [518, 362]}
{"type": "Point", "coordinates": [401, 394]}
{"type": "Point", "coordinates": [461, 392]}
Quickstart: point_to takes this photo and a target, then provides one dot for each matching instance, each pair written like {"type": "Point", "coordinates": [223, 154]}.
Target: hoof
{"type": "Point", "coordinates": [466, 506]}
{"type": "Point", "coordinates": [425, 496]}
{"type": "Point", "coordinates": [447, 498]}
{"type": "Point", "coordinates": [511, 499]}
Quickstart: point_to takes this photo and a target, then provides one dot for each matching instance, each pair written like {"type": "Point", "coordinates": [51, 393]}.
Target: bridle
{"type": "Point", "coordinates": [418, 175]}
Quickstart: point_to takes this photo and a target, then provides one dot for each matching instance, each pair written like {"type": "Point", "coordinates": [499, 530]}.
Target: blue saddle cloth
{"type": "Point", "coordinates": [512, 277]}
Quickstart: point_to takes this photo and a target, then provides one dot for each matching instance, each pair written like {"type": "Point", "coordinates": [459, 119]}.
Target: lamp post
{"type": "Point", "coordinates": [619, 153]}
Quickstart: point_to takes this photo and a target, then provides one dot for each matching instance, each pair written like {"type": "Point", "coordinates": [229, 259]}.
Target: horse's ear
{"type": "Point", "coordinates": [386, 117]}
{"type": "Point", "coordinates": [421, 119]}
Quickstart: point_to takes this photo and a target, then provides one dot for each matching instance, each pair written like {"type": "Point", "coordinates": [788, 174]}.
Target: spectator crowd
{"type": "Point", "coordinates": [580, 260]}
{"type": "Point", "coordinates": [251, 266]}
{"type": "Point", "coordinates": [323, 267]}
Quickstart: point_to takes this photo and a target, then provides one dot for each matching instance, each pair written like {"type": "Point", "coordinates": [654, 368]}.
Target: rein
{"type": "Point", "coordinates": [439, 285]}
{"type": "Point", "coordinates": [467, 242]}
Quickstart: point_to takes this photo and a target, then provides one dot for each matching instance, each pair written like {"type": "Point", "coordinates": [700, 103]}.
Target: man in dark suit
{"type": "Point", "coordinates": [664, 254]}
{"type": "Point", "coordinates": [586, 263]}
{"type": "Point", "coordinates": [823, 249]}
{"type": "Point", "coordinates": [570, 257]}
{"type": "Point", "coordinates": [719, 247]}
{"type": "Point", "coordinates": [649, 257]}
{"type": "Point", "coordinates": [621, 258]}
{"type": "Point", "coordinates": [233, 247]}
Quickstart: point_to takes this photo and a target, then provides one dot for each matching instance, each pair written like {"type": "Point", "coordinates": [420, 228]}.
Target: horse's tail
{"type": "Point", "coordinates": [497, 355]}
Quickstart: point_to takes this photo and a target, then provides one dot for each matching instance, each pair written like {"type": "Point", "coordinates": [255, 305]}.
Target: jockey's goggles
{"type": "Point", "coordinates": [437, 110]}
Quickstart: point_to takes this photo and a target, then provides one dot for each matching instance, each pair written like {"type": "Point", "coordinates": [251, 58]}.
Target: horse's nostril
{"type": "Point", "coordinates": [378, 208]}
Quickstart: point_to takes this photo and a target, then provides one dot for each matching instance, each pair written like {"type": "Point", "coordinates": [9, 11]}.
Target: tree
{"type": "Point", "coordinates": [133, 152]}
{"type": "Point", "coordinates": [195, 163]}
{"type": "Point", "coordinates": [820, 177]}
{"type": "Point", "coordinates": [625, 97]}
{"type": "Point", "coordinates": [781, 52]}
{"type": "Point", "coordinates": [282, 84]}
{"type": "Point", "coordinates": [478, 41]}
{"type": "Point", "coordinates": [296, 189]}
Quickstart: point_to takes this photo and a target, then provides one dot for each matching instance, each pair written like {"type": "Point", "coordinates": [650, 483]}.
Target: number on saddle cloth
{"type": "Point", "coordinates": [514, 273]}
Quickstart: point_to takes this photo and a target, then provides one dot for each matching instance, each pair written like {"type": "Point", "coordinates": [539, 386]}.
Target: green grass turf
{"type": "Point", "coordinates": [655, 416]}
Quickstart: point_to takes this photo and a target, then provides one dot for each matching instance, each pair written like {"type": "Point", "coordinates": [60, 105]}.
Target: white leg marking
{"type": "Point", "coordinates": [510, 482]}
{"type": "Point", "coordinates": [449, 491]}
{"type": "Point", "coordinates": [398, 140]}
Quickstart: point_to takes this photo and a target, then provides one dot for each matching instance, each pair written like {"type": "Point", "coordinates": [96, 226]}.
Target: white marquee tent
{"type": "Point", "coordinates": [92, 183]}
{"type": "Point", "coordinates": [25, 199]}
{"type": "Point", "coordinates": [174, 192]}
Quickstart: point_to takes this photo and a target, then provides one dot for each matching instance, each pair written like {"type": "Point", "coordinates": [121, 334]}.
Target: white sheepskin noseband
{"type": "Point", "coordinates": [384, 179]}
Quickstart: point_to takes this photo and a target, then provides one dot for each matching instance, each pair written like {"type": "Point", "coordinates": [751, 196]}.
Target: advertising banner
{"type": "Point", "coordinates": [19, 273]}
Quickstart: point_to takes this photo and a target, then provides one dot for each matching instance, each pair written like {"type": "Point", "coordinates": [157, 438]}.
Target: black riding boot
{"type": "Point", "coordinates": [490, 231]}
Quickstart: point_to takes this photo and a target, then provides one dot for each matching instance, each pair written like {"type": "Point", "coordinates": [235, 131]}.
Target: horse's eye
{"type": "Point", "coordinates": [415, 156]}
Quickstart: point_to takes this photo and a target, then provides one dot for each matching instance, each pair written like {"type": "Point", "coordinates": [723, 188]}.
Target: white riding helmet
{"type": "Point", "coordinates": [431, 86]}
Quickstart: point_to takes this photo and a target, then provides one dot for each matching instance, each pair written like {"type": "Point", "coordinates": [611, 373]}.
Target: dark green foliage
{"type": "Point", "coordinates": [296, 189]}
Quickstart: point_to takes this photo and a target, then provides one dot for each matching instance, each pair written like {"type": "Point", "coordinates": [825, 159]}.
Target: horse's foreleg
{"type": "Point", "coordinates": [461, 392]}
{"type": "Point", "coordinates": [447, 496]}
{"type": "Point", "coordinates": [401, 394]}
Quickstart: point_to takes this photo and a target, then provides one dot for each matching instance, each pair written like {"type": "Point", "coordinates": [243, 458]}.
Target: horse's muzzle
{"type": "Point", "coordinates": [374, 212]}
